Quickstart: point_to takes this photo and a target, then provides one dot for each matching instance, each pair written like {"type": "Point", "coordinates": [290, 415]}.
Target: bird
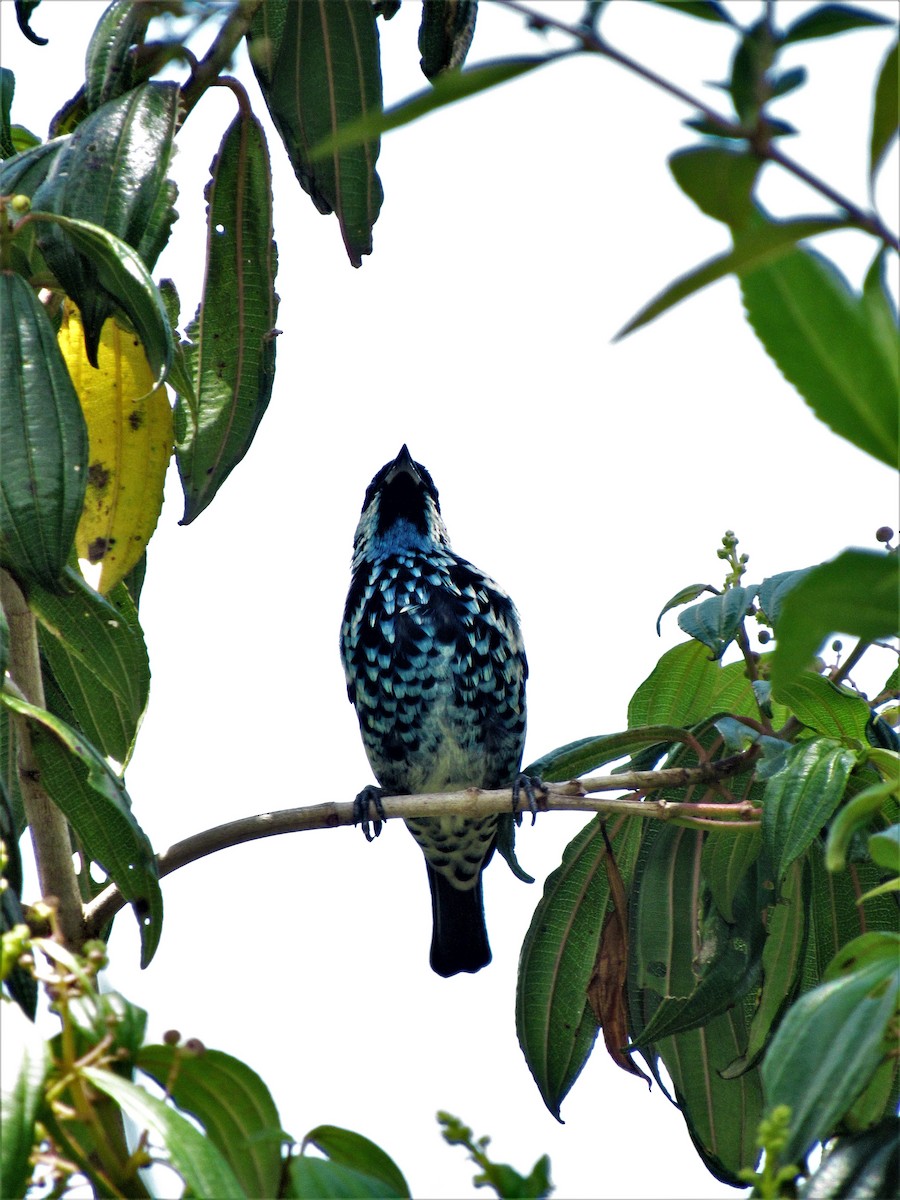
{"type": "Point", "coordinates": [436, 670]}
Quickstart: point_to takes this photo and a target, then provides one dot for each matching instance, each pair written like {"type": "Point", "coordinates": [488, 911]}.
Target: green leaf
{"type": "Point", "coordinates": [94, 801]}
{"type": "Point", "coordinates": [829, 19]}
{"type": "Point", "coordinates": [878, 306]}
{"type": "Point", "coordinates": [773, 590]}
{"type": "Point", "coordinates": [318, 67]}
{"type": "Point", "coordinates": [884, 849]}
{"type": "Point", "coordinates": [728, 854]}
{"type": "Point", "coordinates": [357, 1152]}
{"type": "Point", "coordinates": [112, 170]}
{"type": "Point", "coordinates": [111, 173]}
{"type": "Point", "coordinates": [233, 1105]}
{"type": "Point", "coordinates": [828, 709]}
{"type": "Point", "coordinates": [24, 9]}
{"type": "Point", "coordinates": [841, 908]}
{"type": "Point", "coordinates": [855, 815]}
{"type": "Point", "coordinates": [860, 1166]}
{"type": "Point", "coordinates": [121, 274]}
{"type": "Point", "coordinates": [749, 66]}
{"type": "Point", "coordinates": [109, 62]}
{"type": "Point", "coordinates": [821, 337]}
{"type": "Point", "coordinates": [721, 1114]}
{"type": "Point", "coordinates": [446, 89]}
{"type": "Point", "coordinates": [782, 964]}
{"type": "Point", "coordinates": [23, 173]}
{"type": "Point", "coordinates": [4, 644]}
{"type": "Point", "coordinates": [801, 797]}
{"type": "Point", "coordinates": [827, 1048]}
{"type": "Point", "coordinates": [885, 122]}
{"type": "Point", "coordinates": [706, 10]}
{"type": "Point", "coordinates": [9, 775]}
{"type": "Point", "coordinates": [855, 593]}
{"type": "Point", "coordinates": [19, 1110]}
{"type": "Point", "coordinates": [96, 652]}
{"type": "Point", "coordinates": [688, 963]}
{"type": "Point", "coordinates": [686, 687]}
{"type": "Point", "coordinates": [320, 1179]}
{"type": "Point", "coordinates": [684, 596]}
{"type": "Point", "coordinates": [787, 82]}
{"type": "Point", "coordinates": [193, 1156]}
{"type": "Point", "coordinates": [233, 356]}
{"type": "Point", "coordinates": [716, 622]}
{"type": "Point", "coordinates": [588, 754]}
{"type": "Point", "coordinates": [720, 181]}
{"type": "Point", "coordinates": [45, 443]}
{"type": "Point", "coordinates": [445, 34]}
{"type": "Point", "coordinates": [7, 89]}
{"type": "Point", "coordinates": [555, 1024]}
{"type": "Point", "coordinates": [754, 249]}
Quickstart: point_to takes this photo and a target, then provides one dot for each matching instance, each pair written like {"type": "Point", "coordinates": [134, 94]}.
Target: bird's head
{"type": "Point", "coordinates": [401, 512]}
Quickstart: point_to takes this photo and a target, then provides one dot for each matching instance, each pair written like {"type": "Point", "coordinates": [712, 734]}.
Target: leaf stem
{"type": "Point", "coordinates": [220, 53]}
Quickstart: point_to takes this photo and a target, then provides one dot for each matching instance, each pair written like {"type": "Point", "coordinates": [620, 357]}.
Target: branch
{"type": "Point", "coordinates": [561, 797]}
{"type": "Point", "coordinates": [763, 147]}
{"type": "Point", "coordinates": [49, 828]}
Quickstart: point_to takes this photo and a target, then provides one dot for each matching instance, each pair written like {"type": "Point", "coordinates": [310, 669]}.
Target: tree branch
{"type": "Point", "coordinates": [762, 146]}
{"type": "Point", "coordinates": [49, 828]}
{"type": "Point", "coordinates": [557, 797]}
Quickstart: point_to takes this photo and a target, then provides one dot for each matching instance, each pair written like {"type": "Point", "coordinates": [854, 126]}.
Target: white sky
{"type": "Point", "coordinates": [520, 231]}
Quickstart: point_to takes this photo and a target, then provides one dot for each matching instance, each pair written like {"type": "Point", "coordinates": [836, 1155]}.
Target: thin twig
{"type": "Point", "coordinates": [764, 147]}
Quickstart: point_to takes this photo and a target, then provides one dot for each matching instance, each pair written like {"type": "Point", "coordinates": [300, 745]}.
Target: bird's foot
{"type": "Point", "coordinates": [370, 795]}
{"type": "Point", "coordinates": [531, 785]}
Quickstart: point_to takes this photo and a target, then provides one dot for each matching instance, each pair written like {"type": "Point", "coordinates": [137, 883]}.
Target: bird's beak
{"type": "Point", "coordinates": [402, 464]}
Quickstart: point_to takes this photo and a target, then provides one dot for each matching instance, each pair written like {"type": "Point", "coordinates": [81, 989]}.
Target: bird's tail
{"type": "Point", "coordinates": [460, 940]}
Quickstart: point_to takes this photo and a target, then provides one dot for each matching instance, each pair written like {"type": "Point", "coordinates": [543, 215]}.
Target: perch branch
{"type": "Point", "coordinates": [575, 796]}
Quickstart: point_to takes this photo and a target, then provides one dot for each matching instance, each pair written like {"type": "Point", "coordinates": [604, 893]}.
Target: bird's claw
{"type": "Point", "coordinates": [369, 795]}
{"type": "Point", "coordinates": [530, 785]}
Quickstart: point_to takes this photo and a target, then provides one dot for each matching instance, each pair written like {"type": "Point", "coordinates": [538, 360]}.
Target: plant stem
{"type": "Point", "coordinates": [563, 797]}
{"type": "Point", "coordinates": [765, 148]}
{"type": "Point", "coordinates": [49, 829]}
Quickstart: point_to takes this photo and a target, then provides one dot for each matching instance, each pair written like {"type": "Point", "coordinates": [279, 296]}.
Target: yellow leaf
{"type": "Point", "coordinates": [130, 435]}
